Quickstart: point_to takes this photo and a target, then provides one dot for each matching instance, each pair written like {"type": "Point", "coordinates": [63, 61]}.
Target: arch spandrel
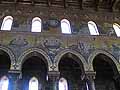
{"type": "Point", "coordinates": [22, 57]}
{"type": "Point", "coordinates": [97, 52]}
{"type": "Point", "coordinates": [11, 55]}
{"type": "Point", "coordinates": [62, 53]}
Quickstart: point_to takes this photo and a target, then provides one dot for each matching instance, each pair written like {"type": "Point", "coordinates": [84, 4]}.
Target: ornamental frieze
{"type": "Point", "coordinates": [52, 43]}
{"type": "Point", "coordinates": [19, 41]}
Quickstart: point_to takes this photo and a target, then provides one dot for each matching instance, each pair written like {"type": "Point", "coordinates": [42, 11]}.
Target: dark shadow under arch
{"type": "Point", "coordinates": [34, 66]}
{"type": "Point", "coordinates": [105, 71]}
{"type": "Point", "coordinates": [34, 52]}
{"type": "Point", "coordinates": [36, 55]}
{"type": "Point", "coordinates": [5, 62]}
{"type": "Point", "coordinates": [71, 68]}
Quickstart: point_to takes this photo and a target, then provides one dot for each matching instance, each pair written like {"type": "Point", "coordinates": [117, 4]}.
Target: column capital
{"type": "Point", "coordinates": [90, 75]}
{"type": "Point", "coordinates": [54, 75]}
{"type": "Point", "coordinates": [14, 73]}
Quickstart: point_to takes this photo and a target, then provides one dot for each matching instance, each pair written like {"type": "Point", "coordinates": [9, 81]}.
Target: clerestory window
{"type": "Point", "coordinates": [7, 23]}
{"type": "Point", "coordinates": [117, 29]}
{"type": "Point", "coordinates": [93, 28]}
{"type": "Point", "coordinates": [65, 26]}
{"type": "Point", "coordinates": [36, 24]}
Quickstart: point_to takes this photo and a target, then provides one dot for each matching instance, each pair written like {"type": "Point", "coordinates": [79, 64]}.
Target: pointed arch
{"type": "Point", "coordinates": [4, 82]}
{"type": "Point", "coordinates": [7, 23]}
{"type": "Point", "coordinates": [10, 54]}
{"type": "Point", "coordinates": [106, 68]}
{"type": "Point", "coordinates": [97, 52]}
{"type": "Point", "coordinates": [117, 29]}
{"type": "Point", "coordinates": [63, 85]}
{"type": "Point", "coordinates": [93, 28]}
{"type": "Point", "coordinates": [36, 24]}
{"type": "Point", "coordinates": [71, 63]}
{"type": "Point", "coordinates": [65, 51]}
{"type": "Point", "coordinates": [33, 83]}
{"type": "Point", "coordinates": [30, 51]}
{"type": "Point", "coordinates": [65, 26]}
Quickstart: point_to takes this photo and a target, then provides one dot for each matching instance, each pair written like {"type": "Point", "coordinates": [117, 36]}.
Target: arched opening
{"type": "Point", "coordinates": [63, 85]}
{"type": "Point", "coordinates": [7, 23]}
{"type": "Point", "coordinates": [93, 28]}
{"type": "Point", "coordinates": [36, 24]}
{"type": "Point", "coordinates": [65, 26]}
{"type": "Point", "coordinates": [34, 65]}
{"type": "Point", "coordinates": [117, 29]}
{"type": "Point", "coordinates": [105, 71]}
{"type": "Point", "coordinates": [4, 82]}
{"type": "Point", "coordinates": [71, 68]}
{"type": "Point", "coordinates": [5, 63]}
{"type": "Point", "coordinates": [33, 83]}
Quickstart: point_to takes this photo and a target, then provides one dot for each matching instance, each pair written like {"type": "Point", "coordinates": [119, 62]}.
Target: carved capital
{"type": "Point", "coordinates": [53, 75]}
{"type": "Point", "coordinates": [14, 74]}
{"type": "Point", "coordinates": [90, 75]}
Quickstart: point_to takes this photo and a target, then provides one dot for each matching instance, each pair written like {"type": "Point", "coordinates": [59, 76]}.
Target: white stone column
{"type": "Point", "coordinates": [53, 79]}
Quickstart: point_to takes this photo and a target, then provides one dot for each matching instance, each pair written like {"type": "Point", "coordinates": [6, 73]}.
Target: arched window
{"type": "Point", "coordinates": [93, 28]}
{"type": "Point", "coordinates": [7, 23]}
{"type": "Point", "coordinates": [87, 86]}
{"type": "Point", "coordinates": [4, 81]}
{"type": "Point", "coordinates": [33, 83]}
{"type": "Point", "coordinates": [65, 26]}
{"type": "Point", "coordinates": [36, 24]}
{"type": "Point", "coordinates": [117, 29]}
{"type": "Point", "coordinates": [63, 84]}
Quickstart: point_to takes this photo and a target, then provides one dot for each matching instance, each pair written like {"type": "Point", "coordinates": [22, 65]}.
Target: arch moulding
{"type": "Point", "coordinates": [11, 55]}
{"type": "Point", "coordinates": [22, 57]}
{"type": "Point", "coordinates": [95, 53]}
{"type": "Point", "coordinates": [65, 51]}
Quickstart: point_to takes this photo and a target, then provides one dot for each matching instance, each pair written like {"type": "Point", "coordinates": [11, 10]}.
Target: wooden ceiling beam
{"type": "Point", "coordinates": [15, 1]}
{"type": "Point", "coordinates": [49, 3]}
{"type": "Point", "coordinates": [0, 1]}
{"type": "Point", "coordinates": [117, 5]}
{"type": "Point", "coordinates": [64, 3]}
{"type": "Point", "coordinates": [96, 4]}
{"type": "Point", "coordinates": [112, 4]}
{"type": "Point", "coordinates": [33, 2]}
{"type": "Point", "coordinates": [81, 2]}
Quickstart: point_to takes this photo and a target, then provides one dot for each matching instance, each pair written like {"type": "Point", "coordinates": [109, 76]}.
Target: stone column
{"type": "Point", "coordinates": [53, 79]}
{"type": "Point", "coordinates": [14, 80]}
{"type": "Point", "coordinates": [90, 76]}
